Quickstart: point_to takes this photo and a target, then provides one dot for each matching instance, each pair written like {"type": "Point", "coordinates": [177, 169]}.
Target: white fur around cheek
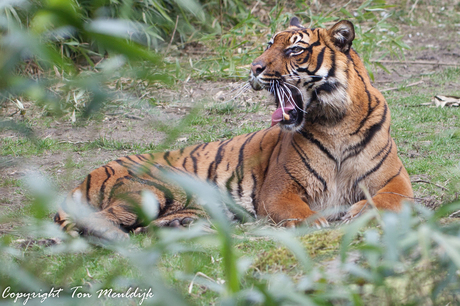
{"type": "Point", "coordinates": [323, 71]}
{"type": "Point", "coordinates": [336, 99]}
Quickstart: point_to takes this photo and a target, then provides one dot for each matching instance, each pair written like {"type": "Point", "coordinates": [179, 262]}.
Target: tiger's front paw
{"type": "Point", "coordinates": [170, 221]}
{"type": "Point", "coordinates": [319, 222]}
{"type": "Point", "coordinates": [356, 210]}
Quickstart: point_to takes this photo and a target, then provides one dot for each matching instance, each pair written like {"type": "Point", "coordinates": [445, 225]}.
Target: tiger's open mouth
{"type": "Point", "coordinates": [290, 108]}
{"type": "Point", "coordinates": [289, 103]}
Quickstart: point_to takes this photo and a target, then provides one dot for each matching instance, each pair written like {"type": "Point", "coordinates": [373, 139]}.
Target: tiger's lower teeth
{"type": "Point", "coordinates": [286, 117]}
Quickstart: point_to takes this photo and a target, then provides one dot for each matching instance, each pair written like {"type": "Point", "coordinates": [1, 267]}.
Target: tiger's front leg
{"type": "Point", "coordinates": [289, 210]}
{"type": "Point", "coordinates": [389, 197]}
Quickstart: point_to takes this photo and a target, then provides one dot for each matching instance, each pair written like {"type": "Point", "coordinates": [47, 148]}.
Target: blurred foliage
{"type": "Point", "coordinates": [61, 54]}
{"type": "Point", "coordinates": [385, 258]}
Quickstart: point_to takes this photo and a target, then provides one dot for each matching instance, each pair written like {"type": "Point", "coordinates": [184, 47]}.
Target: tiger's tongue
{"type": "Point", "coordinates": [277, 116]}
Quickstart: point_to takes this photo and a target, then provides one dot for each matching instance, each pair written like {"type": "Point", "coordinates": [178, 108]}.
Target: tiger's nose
{"type": "Point", "coordinates": [257, 67]}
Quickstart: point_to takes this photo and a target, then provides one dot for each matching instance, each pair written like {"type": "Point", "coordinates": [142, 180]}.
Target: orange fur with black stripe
{"type": "Point", "coordinates": [330, 137]}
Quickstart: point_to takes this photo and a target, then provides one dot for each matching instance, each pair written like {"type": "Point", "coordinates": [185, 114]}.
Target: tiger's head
{"type": "Point", "coordinates": [306, 71]}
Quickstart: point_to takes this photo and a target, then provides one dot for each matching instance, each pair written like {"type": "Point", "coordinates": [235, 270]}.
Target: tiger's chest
{"type": "Point", "coordinates": [333, 185]}
{"type": "Point", "coordinates": [342, 192]}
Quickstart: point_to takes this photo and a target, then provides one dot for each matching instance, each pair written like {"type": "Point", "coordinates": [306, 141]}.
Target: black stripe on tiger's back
{"type": "Point", "coordinates": [168, 194]}
{"type": "Point", "coordinates": [368, 136]}
{"type": "Point", "coordinates": [132, 160]}
{"type": "Point", "coordinates": [194, 160]}
{"type": "Point", "coordinates": [141, 168]}
{"type": "Point", "coordinates": [218, 159]}
{"type": "Point", "coordinates": [184, 163]}
{"type": "Point", "coordinates": [240, 166]}
{"type": "Point", "coordinates": [254, 188]}
{"type": "Point", "coordinates": [165, 157]}
{"type": "Point", "coordinates": [141, 157]}
{"type": "Point", "coordinates": [120, 162]}
{"type": "Point", "coordinates": [317, 143]}
{"type": "Point", "coordinates": [152, 157]}
{"type": "Point", "coordinates": [374, 169]}
{"type": "Point", "coordinates": [118, 183]}
{"type": "Point", "coordinates": [304, 158]}
{"type": "Point", "coordinates": [102, 190]}
{"type": "Point", "coordinates": [229, 181]}
{"type": "Point", "coordinates": [210, 168]}
{"type": "Point", "coordinates": [88, 185]}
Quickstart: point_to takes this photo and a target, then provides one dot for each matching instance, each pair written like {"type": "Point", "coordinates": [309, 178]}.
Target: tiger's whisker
{"type": "Point", "coordinates": [291, 98]}
{"type": "Point", "coordinates": [301, 95]}
{"type": "Point", "coordinates": [280, 99]}
{"type": "Point", "coordinates": [242, 90]}
{"type": "Point", "coordinates": [240, 86]}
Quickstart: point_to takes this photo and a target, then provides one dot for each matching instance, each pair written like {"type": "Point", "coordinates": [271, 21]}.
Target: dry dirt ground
{"type": "Point", "coordinates": [428, 43]}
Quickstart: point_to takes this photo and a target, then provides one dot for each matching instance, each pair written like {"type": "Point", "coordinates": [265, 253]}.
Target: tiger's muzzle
{"type": "Point", "coordinates": [289, 100]}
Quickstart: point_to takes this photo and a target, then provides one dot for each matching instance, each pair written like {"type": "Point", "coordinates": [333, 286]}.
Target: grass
{"type": "Point", "coordinates": [420, 130]}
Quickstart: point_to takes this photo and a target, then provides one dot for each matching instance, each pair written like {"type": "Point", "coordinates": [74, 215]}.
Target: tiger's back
{"type": "Point", "coordinates": [112, 189]}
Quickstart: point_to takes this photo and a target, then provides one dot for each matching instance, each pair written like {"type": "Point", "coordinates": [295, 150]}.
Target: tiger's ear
{"type": "Point", "coordinates": [342, 35]}
{"type": "Point", "coordinates": [295, 22]}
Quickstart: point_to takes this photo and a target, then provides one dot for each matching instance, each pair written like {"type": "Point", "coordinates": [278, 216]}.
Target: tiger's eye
{"type": "Point", "coordinates": [296, 50]}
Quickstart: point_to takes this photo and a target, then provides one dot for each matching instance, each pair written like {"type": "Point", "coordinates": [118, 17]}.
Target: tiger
{"type": "Point", "coordinates": [328, 144]}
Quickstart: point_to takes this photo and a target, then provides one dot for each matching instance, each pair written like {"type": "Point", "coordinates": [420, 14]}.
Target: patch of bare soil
{"type": "Point", "coordinates": [433, 49]}
{"type": "Point", "coordinates": [434, 43]}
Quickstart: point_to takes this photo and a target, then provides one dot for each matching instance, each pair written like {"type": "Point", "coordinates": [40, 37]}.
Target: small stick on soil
{"type": "Point", "coordinates": [129, 116]}
{"type": "Point", "coordinates": [413, 7]}
{"type": "Point", "coordinates": [73, 142]}
{"type": "Point", "coordinates": [174, 33]}
{"type": "Point", "coordinates": [428, 182]}
{"type": "Point", "coordinates": [397, 88]}
{"type": "Point", "coordinates": [416, 63]}
{"type": "Point", "coordinates": [254, 7]}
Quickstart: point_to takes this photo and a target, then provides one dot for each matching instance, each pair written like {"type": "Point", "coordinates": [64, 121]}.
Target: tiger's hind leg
{"type": "Point", "coordinates": [180, 218]}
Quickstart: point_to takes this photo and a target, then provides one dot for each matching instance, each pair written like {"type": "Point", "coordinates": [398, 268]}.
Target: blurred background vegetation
{"type": "Point", "coordinates": [51, 48]}
{"type": "Point", "coordinates": [71, 60]}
